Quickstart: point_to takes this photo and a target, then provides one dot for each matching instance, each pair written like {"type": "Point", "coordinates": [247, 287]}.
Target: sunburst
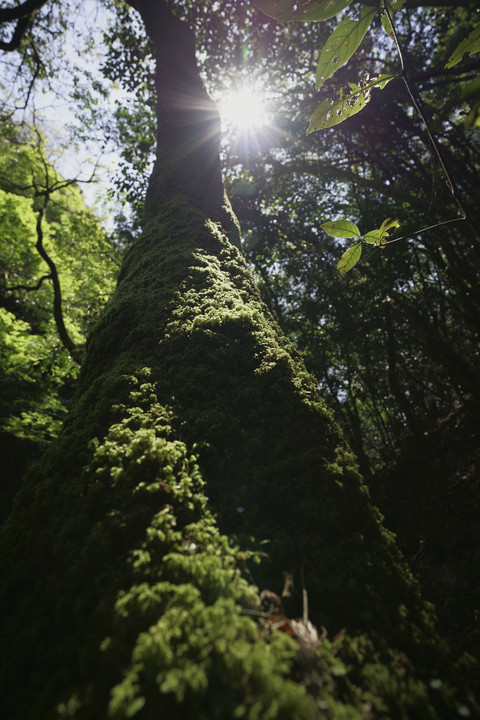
{"type": "Point", "coordinates": [244, 109]}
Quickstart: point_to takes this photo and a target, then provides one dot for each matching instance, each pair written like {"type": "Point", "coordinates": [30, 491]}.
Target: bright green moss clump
{"type": "Point", "coordinates": [131, 561]}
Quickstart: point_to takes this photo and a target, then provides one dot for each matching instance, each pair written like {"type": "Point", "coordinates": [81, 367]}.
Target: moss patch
{"type": "Point", "coordinates": [131, 561]}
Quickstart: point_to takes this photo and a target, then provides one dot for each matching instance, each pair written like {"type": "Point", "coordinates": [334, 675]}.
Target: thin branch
{"type": "Point", "coordinates": [57, 291]}
{"type": "Point", "coordinates": [23, 14]}
{"type": "Point", "coordinates": [375, 249]}
{"type": "Point", "coordinates": [25, 9]}
{"type": "Point", "coordinates": [38, 66]}
{"type": "Point", "coordinates": [28, 288]}
{"type": "Point", "coordinates": [455, 72]}
{"type": "Point", "coordinates": [425, 229]}
{"type": "Point", "coordinates": [418, 107]}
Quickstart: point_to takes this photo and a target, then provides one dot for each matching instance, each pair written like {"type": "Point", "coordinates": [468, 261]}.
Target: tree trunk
{"type": "Point", "coordinates": [194, 416]}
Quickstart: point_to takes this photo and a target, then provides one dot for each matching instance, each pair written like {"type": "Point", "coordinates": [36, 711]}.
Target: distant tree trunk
{"type": "Point", "coordinates": [396, 389]}
{"type": "Point", "coordinates": [120, 597]}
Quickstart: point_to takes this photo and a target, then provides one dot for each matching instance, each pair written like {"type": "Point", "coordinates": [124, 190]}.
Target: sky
{"type": "Point", "coordinates": [53, 108]}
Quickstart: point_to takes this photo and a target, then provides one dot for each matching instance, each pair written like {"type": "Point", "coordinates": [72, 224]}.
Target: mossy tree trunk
{"type": "Point", "coordinates": [131, 565]}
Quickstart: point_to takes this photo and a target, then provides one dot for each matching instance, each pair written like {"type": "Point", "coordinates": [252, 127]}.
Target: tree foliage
{"type": "Point", "coordinates": [37, 369]}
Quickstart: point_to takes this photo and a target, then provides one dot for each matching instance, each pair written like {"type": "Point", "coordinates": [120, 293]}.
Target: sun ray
{"type": "Point", "coordinates": [244, 109]}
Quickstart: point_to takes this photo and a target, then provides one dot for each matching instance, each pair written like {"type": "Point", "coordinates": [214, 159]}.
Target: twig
{"type": "Point", "coordinates": [425, 229]}
{"type": "Point", "coordinates": [418, 107]}
{"type": "Point", "coordinates": [28, 288]}
{"type": "Point", "coordinates": [304, 594]}
{"type": "Point", "coordinates": [404, 237]}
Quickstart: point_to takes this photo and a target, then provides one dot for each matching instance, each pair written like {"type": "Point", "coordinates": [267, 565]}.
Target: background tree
{"type": "Point", "coordinates": [58, 267]}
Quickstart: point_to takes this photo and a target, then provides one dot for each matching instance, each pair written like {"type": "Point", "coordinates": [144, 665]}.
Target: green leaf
{"type": "Point", "coordinates": [134, 706]}
{"type": "Point", "coordinates": [470, 45]}
{"type": "Point", "coordinates": [375, 237]}
{"type": "Point", "coordinates": [387, 225]}
{"type": "Point", "coordinates": [289, 10]}
{"type": "Point", "coordinates": [352, 99]}
{"type": "Point", "coordinates": [393, 6]}
{"type": "Point", "coordinates": [342, 43]}
{"type": "Point", "coordinates": [341, 229]}
{"type": "Point", "coordinates": [471, 93]}
{"type": "Point", "coordinates": [349, 259]}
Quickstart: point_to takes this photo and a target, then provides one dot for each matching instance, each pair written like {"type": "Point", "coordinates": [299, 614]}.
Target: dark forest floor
{"type": "Point", "coordinates": [431, 500]}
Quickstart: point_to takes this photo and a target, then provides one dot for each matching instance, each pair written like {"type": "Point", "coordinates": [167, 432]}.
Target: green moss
{"type": "Point", "coordinates": [196, 439]}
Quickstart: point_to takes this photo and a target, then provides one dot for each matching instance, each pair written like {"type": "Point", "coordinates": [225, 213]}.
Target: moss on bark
{"type": "Point", "coordinates": [131, 560]}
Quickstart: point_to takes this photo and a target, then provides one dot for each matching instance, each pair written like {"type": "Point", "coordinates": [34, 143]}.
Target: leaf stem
{"type": "Point", "coordinates": [425, 229]}
{"type": "Point", "coordinates": [418, 107]}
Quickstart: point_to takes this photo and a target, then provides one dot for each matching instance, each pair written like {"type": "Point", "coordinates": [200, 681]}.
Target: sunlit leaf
{"type": "Point", "coordinates": [349, 259]}
{"type": "Point", "coordinates": [134, 706]}
{"type": "Point", "coordinates": [341, 229]}
{"type": "Point", "coordinates": [353, 98]}
{"type": "Point", "coordinates": [393, 6]}
{"type": "Point", "coordinates": [471, 93]}
{"type": "Point", "coordinates": [470, 45]}
{"type": "Point", "coordinates": [289, 10]}
{"type": "Point", "coordinates": [388, 224]}
{"type": "Point", "coordinates": [342, 43]}
{"type": "Point", "coordinates": [373, 237]}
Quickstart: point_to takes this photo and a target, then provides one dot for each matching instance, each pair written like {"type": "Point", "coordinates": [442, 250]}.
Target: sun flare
{"type": "Point", "coordinates": [244, 109]}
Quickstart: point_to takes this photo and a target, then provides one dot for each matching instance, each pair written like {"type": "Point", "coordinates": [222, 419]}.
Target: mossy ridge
{"type": "Point", "coordinates": [167, 597]}
{"type": "Point", "coordinates": [214, 347]}
{"type": "Point", "coordinates": [168, 602]}
{"type": "Point", "coordinates": [110, 521]}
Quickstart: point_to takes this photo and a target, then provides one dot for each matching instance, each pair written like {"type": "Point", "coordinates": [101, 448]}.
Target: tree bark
{"type": "Point", "coordinates": [194, 416]}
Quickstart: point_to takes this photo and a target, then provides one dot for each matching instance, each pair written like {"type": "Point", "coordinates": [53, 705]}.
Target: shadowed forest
{"type": "Point", "coordinates": [239, 359]}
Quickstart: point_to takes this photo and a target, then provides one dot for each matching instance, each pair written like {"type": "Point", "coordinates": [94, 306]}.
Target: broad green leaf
{"type": "Point", "coordinates": [353, 98]}
{"type": "Point", "coordinates": [388, 224]}
{"type": "Point", "coordinates": [375, 237]}
{"type": "Point", "coordinates": [349, 259]}
{"type": "Point", "coordinates": [289, 10]}
{"type": "Point", "coordinates": [341, 229]}
{"type": "Point", "coordinates": [471, 93]}
{"type": "Point", "coordinates": [393, 6]}
{"type": "Point", "coordinates": [342, 43]}
{"type": "Point", "coordinates": [470, 45]}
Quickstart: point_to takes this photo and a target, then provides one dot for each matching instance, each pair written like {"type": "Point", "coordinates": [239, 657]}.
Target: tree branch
{"type": "Point", "coordinates": [23, 14]}
{"type": "Point", "coordinates": [28, 288]}
{"type": "Point", "coordinates": [25, 9]}
{"type": "Point", "coordinates": [453, 73]}
{"type": "Point", "coordinates": [65, 338]}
